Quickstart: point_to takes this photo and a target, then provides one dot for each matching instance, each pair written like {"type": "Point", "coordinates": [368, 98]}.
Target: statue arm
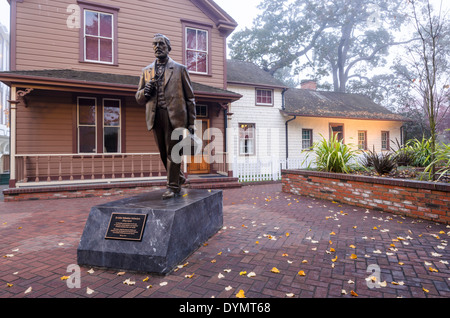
{"type": "Point", "coordinates": [140, 94]}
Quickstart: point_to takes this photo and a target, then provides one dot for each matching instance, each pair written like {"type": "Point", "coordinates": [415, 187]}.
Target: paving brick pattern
{"type": "Point", "coordinates": [268, 234]}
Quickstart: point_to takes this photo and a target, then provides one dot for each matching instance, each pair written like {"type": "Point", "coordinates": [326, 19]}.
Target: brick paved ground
{"type": "Point", "coordinates": [263, 229]}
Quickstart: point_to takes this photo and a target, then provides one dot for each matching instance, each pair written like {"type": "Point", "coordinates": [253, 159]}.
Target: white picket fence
{"type": "Point", "coordinates": [264, 169]}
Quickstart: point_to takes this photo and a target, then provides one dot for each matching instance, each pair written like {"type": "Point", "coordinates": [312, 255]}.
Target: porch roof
{"type": "Point", "coordinates": [312, 103]}
{"type": "Point", "coordinates": [121, 84]}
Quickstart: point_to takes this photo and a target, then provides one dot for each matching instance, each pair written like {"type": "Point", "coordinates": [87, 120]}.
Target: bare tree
{"type": "Point", "coordinates": [428, 63]}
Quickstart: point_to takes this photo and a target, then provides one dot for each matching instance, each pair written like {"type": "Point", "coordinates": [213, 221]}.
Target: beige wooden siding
{"type": "Point", "coordinates": [46, 124]}
{"type": "Point", "coordinates": [45, 42]}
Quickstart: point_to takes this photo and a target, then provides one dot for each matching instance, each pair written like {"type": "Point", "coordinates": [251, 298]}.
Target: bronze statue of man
{"type": "Point", "coordinates": [165, 89]}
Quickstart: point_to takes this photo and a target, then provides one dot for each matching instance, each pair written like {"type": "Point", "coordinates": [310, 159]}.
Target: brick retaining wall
{"type": "Point", "coordinates": [419, 199]}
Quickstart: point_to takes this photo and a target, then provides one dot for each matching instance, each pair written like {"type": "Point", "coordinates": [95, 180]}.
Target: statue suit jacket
{"type": "Point", "coordinates": [178, 92]}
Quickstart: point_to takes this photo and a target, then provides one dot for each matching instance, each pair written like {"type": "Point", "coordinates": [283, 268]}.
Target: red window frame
{"type": "Point", "coordinates": [200, 28]}
{"type": "Point", "coordinates": [264, 97]}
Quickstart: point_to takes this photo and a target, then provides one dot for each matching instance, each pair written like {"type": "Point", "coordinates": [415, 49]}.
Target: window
{"type": "Point", "coordinates": [96, 121]}
{"type": "Point", "coordinates": [338, 131]}
{"type": "Point", "coordinates": [111, 125]}
{"type": "Point", "coordinates": [307, 142]}
{"type": "Point", "coordinates": [246, 139]}
{"type": "Point", "coordinates": [385, 140]}
{"type": "Point", "coordinates": [87, 128]}
{"type": "Point", "coordinates": [197, 59]}
{"type": "Point", "coordinates": [362, 140]}
{"type": "Point", "coordinates": [264, 97]}
{"type": "Point", "coordinates": [98, 33]}
{"type": "Point", "coordinates": [201, 110]}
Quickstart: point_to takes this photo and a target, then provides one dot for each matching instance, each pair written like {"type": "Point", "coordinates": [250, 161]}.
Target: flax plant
{"type": "Point", "coordinates": [332, 155]}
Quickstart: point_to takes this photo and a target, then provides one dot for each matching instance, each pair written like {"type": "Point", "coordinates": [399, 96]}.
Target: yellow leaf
{"type": "Point", "coordinates": [243, 273]}
{"type": "Point", "coordinates": [145, 279]}
{"type": "Point", "coordinates": [301, 273]}
{"type": "Point", "coordinates": [257, 242]}
{"type": "Point", "coordinates": [213, 261]}
{"type": "Point", "coordinates": [220, 253]}
{"type": "Point", "coordinates": [184, 195]}
{"type": "Point", "coordinates": [334, 259]}
{"type": "Point", "coordinates": [65, 277]}
{"type": "Point", "coordinates": [332, 233]}
{"type": "Point", "coordinates": [285, 254]}
{"type": "Point", "coordinates": [287, 234]}
{"type": "Point", "coordinates": [401, 263]}
{"type": "Point", "coordinates": [304, 261]}
{"type": "Point", "coordinates": [375, 228]}
{"type": "Point", "coordinates": [425, 290]}
{"type": "Point", "coordinates": [332, 249]}
{"type": "Point", "coordinates": [353, 293]}
{"type": "Point", "coordinates": [352, 246]}
{"type": "Point", "coordinates": [441, 232]}
{"type": "Point", "coordinates": [431, 269]}
{"type": "Point", "coordinates": [9, 285]}
{"type": "Point", "coordinates": [353, 256]}
{"type": "Point", "coordinates": [274, 270]}
{"type": "Point", "coordinates": [240, 294]}
{"type": "Point", "coordinates": [189, 276]}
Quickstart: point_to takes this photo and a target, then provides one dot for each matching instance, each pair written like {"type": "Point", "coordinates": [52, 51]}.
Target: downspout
{"type": "Point", "coordinates": [287, 138]}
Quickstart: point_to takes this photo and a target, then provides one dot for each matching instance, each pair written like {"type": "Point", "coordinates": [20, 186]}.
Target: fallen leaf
{"type": "Point", "coordinates": [425, 290]}
{"type": "Point", "coordinates": [353, 256]}
{"type": "Point", "coordinates": [290, 295]}
{"type": "Point", "coordinates": [251, 274]}
{"type": "Point", "coordinates": [146, 279]}
{"type": "Point", "coordinates": [189, 276]}
{"type": "Point", "coordinates": [65, 277]}
{"type": "Point", "coordinates": [89, 291]}
{"type": "Point", "coordinates": [163, 284]}
{"type": "Point", "coordinates": [274, 270]}
{"type": "Point", "coordinates": [120, 273]}
{"type": "Point", "coordinates": [243, 273]}
{"type": "Point", "coordinates": [9, 285]}
{"type": "Point", "coordinates": [129, 282]}
{"type": "Point", "coordinates": [91, 271]}
{"type": "Point", "coordinates": [240, 294]}
{"type": "Point", "coordinates": [431, 269]}
{"type": "Point", "coordinates": [301, 273]}
{"type": "Point", "coordinates": [353, 293]}
{"type": "Point", "coordinates": [228, 288]}
{"type": "Point", "coordinates": [220, 276]}
{"type": "Point", "coordinates": [29, 289]}
{"type": "Point", "coordinates": [334, 259]}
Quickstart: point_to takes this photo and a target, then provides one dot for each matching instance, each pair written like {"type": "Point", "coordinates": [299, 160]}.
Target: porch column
{"type": "Point", "coordinates": [12, 124]}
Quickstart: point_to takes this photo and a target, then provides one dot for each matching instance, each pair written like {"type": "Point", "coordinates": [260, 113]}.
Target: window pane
{"type": "Point", "coordinates": [201, 62]}
{"type": "Point", "coordinates": [202, 40]}
{"type": "Point", "coordinates": [87, 139]}
{"type": "Point", "coordinates": [105, 50]}
{"type": "Point", "coordinates": [91, 48]}
{"type": "Point", "coordinates": [111, 113]}
{"type": "Point", "coordinates": [91, 23]}
{"type": "Point", "coordinates": [191, 39]}
{"type": "Point", "coordinates": [106, 25]}
{"type": "Point", "coordinates": [111, 141]}
{"type": "Point", "coordinates": [191, 61]}
{"type": "Point", "coordinates": [86, 111]}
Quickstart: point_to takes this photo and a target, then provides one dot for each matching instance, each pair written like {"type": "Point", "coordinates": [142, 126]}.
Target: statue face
{"type": "Point", "coordinates": [160, 47]}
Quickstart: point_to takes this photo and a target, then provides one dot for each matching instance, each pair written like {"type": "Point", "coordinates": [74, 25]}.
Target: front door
{"type": "Point", "coordinates": [198, 164]}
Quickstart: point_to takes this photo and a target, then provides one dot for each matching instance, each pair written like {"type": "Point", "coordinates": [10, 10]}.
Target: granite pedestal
{"type": "Point", "coordinates": [172, 229]}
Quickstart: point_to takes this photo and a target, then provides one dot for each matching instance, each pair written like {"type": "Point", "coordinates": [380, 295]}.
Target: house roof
{"type": "Point", "coordinates": [312, 103]}
{"type": "Point", "coordinates": [224, 22]}
{"type": "Point", "coordinates": [129, 83]}
{"type": "Point", "coordinates": [247, 73]}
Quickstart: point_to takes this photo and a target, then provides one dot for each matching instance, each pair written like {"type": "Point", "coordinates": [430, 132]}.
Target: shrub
{"type": "Point", "coordinates": [421, 150]}
{"type": "Point", "coordinates": [333, 155]}
{"type": "Point", "coordinates": [382, 163]}
{"type": "Point", "coordinates": [441, 160]}
{"type": "Point", "coordinates": [403, 156]}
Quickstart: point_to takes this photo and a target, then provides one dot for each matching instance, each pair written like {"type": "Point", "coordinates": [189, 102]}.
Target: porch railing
{"type": "Point", "coordinates": [69, 168]}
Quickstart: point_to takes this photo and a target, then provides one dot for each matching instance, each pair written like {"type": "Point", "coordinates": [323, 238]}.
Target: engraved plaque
{"type": "Point", "coordinates": [126, 226]}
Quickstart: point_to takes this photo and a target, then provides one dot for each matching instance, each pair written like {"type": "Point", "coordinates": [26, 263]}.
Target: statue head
{"type": "Point", "coordinates": [161, 46]}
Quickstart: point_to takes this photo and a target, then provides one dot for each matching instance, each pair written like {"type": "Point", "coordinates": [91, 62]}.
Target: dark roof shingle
{"type": "Point", "coordinates": [249, 73]}
{"type": "Point", "coordinates": [303, 102]}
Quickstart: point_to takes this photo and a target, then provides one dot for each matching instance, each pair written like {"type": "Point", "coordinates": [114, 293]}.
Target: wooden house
{"type": "Point", "coordinates": [74, 72]}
